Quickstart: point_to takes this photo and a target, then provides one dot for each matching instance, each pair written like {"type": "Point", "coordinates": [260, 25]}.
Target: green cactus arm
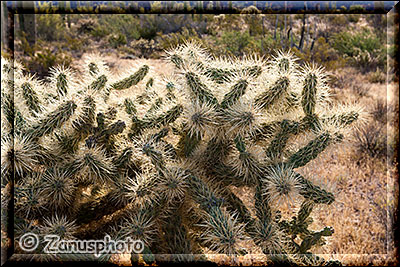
{"type": "Point", "coordinates": [62, 84]}
{"type": "Point", "coordinates": [167, 117]}
{"type": "Point", "coordinates": [219, 76]}
{"type": "Point", "coordinates": [216, 151]}
{"type": "Point", "coordinates": [222, 231]}
{"type": "Point", "coordinates": [100, 119]}
{"type": "Point", "coordinates": [99, 84]}
{"type": "Point", "coordinates": [153, 108]}
{"type": "Point", "coordinates": [313, 192]}
{"type": "Point", "coordinates": [53, 120]}
{"type": "Point", "coordinates": [343, 119]}
{"type": "Point", "coordinates": [309, 94]}
{"type": "Point", "coordinates": [98, 168]}
{"type": "Point", "coordinates": [199, 90]}
{"type": "Point", "coordinates": [106, 137]}
{"type": "Point", "coordinates": [15, 120]}
{"type": "Point", "coordinates": [299, 224]}
{"type": "Point", "coordinates": [93, 69]}
{"type": "Point", "coordinates": [263, 209]}
{"type": "Point", "coordinates": [160, 134]}
{"type": "Point", "coordinates": [8, 107]}
{"type": "Point", "coordinates": [31, 98]}
{"type": "Point", "coordinates": [111, 114]}
{"type": "Point", "coordinates": [175, 238]}
{"type": "Point", "coordinates": [234, 94]}
{"type": "Point", "coordinates": [283, 65]}
{"type": "Point", "coordinates": [314, 238]}
{"type": "Point", "coordinates": [270, 96]}
{"type": "Point", "coordinates": [279, 142]}
{"type": "Point", "coordinates": [130, 107]}
{"type": "Point", "coordinates": [253, 71]}
{"type": "Point", "coordinates": [239, 143]}
{"type": "Point", "coordinates": [84, 123]}
{"type": "Point", "coordinates": [114, 128]}
{"type": "Point", "coordinates": [122, 160]}
{"type": "Point", "coordinates": [68, 144]}
{"type": "Point", "coordinates": [150, 83]}
{"type": "Point", "coordinates": [224, 75]}
{"type": "Point", "coordinates": [187, 144]}
{"type": "Point", "coordinates": [312, 149]}
{"type": "Point", "coordinates": [305, 211]}
{"type": "Point", "coordinates": [292, 100]}
{"type": "Point", "coordinates": [202, 194]}
{"type": "Point", "coordinates": [177, 61]}
{"type": "Point", "coordinates": [236, 205]}
{"type": "Point", "coordinates": [266, 131]}
{"type": "Point", "coordinates": [132, 79]}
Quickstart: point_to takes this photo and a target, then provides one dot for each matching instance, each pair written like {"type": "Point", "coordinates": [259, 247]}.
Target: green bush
{"type": "Point", "coordinates": [117, 24]}
{"type": "Point", "coordinates": [168, 41]}
{"type": "Point", "coordinates": [117, 40]}
{"type": "Point", "coordinates": [235, 43]}
{"type": "Point", "coordinates": [364, 49]}
{"type": "Point", "coordinates": [322, 54]}
{"type": "Point", "coordinates": [50, 27]}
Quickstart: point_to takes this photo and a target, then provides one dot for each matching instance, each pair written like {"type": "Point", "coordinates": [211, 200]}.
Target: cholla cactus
{"type": "Point", "coordinates": [164, 161]}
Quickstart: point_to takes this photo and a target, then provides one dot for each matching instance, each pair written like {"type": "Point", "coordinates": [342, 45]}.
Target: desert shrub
{"type": "Point", "coordinates": [86, 26]}
{"type": "Point", "coordinates": [377, 76]}
{"type": "Point", "coordinates": [151, 25]}
{"type": "Point", "coordinates": [117, 40]}
{"type": "Point", "coordinates": [168, 41]}
{"type": "Point", "coordinates": [269, 44]}
{"type": "Point", "coordinates": [380, 111]}
{"type": "Point", "coordinates": [364, 49]}
{"type": "Point", "coordinates": [42, 60]}
{"type": "Point", "coordinates": [225, 22]}
{"type": "Point", "coordinates": [235, 43]}
{"type": "Point", "coordinates": [117, 24]}
{"type": "Point", "coordinates": [371, 141]}
{"type": "Point", "coordinates": [360, 89]}
{"type": "Point", "coordinates": [322, 54]}
{"type": "Point", "coordinates": [337, 20]}
{"type": "Point", "coordinates": [160, 165]}
{"type": "Point", "coordinates": [50, 27]}
{"type": "Point", "coordinates": [24, 45]}
{"type": "Point", "coordinates": [145, 48]}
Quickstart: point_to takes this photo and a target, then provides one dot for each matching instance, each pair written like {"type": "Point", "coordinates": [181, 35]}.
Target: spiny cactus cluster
{"type": "Point", "coordinates": [163, 164]}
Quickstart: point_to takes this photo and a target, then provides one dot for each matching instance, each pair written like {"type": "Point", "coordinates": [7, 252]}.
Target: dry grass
{"type": "Point", "coordinates": [365, 188]}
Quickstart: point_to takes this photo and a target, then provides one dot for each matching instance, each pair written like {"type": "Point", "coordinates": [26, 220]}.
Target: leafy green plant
{"type": "Point", "coordinates": [235, 43]}
{"type": "Point", "coordinates": [117, 40]}
{"type": "Point", "coordinates": [365, 49]}
{"type": "Point", "coordinates": [50, 27]}
{"type": "Point", "coordinates": [161, 165]}
{"type": "Point", "coordinates": [322, 54]}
